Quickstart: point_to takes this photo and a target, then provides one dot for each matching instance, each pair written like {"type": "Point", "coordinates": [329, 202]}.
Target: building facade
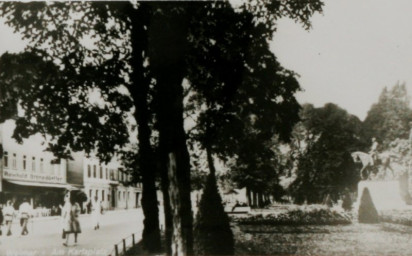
{"type": "Point", "coordinates": [109, 183]}
{"type": "Point", "coordinates": [32, 173]}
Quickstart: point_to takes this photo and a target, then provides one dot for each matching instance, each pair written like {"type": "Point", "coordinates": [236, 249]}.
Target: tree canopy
{"type": "Point", "coordinates": [325, 166]}
{"type": "Point", "coordinates": [390, 117]}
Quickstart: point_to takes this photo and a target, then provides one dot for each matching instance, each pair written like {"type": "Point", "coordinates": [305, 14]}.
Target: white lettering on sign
{"type": "Point", "coordinates": [26, 176]}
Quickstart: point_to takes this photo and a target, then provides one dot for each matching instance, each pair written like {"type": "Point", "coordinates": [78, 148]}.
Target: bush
{"type": "Point", "coordinates": [212, 234]}
{"type": "Point", "coordinates": [312, 215]}
{"type": "Point", "coordinates": [367, 211]}
{"type": "Point", "coordinates": [402, 217]}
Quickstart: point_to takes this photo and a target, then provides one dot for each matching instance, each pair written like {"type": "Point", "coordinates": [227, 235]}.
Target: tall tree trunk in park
{"type": "Point", "coordinates": [1, 153]}
{"type": "Point", "coordinates": [1, 158]}
{"type": "Point", "coordinates": [254, 194]}
{"type": "Point", "coordinates": [249, 200]}
{"type": "Point", "coordinates": [210, 161]}
{"type": "Point", "coordinates": [139, 90]}
{"type": "Point", "coordinates": [166, 208]}
{"type": "Point", "coordinates": [167, 50]}
{"type": "Point", "coordinates": [262, 201]}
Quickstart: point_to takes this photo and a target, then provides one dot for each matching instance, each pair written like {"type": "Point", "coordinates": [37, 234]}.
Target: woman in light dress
{"type": "Point", "coordinates": [66, 218]}
{"type": "Point", "coordinates": [70, 218]}
{"type": "Point", "coordinates": [96, 213]}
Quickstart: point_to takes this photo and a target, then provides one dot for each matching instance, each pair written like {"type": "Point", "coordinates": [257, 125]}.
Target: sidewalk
{"type": "Point", "coordinates": [52, 224]}
{"type": "Point", "coordinates": [45, 237]}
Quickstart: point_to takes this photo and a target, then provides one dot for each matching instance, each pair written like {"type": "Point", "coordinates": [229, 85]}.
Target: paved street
{"type": "Point", "coordinates": [45, 236]}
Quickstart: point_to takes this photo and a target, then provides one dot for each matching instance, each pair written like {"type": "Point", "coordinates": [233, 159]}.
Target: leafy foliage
{"type": "Point", "coordinates": [390, 118]}
{"type": "Point", "coordinates": [326, 166]}
{"type": "Point", "coordinates": [312, 215]}
{"type": "Point", "coordinates": [63, 74]}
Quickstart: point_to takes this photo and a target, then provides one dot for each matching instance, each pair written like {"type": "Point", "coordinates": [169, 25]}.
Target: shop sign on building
{"type": "Point", "coordinates": [37, 177]}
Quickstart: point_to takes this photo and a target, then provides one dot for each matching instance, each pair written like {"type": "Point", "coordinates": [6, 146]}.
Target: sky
{"type": "Point", "coordinates": [353, 50]}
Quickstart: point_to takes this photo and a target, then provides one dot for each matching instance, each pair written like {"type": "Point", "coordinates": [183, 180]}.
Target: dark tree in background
{"type": "Point", "coordinates": [243, 97]}
{"type": "Point", "coordinates": [389, 118]}
{"type": "Point", "coordinates": [326, 166]}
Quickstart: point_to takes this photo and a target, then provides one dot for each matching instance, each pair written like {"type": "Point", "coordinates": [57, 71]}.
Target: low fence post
{"type": "Point", "coordinates": [133, 240]}
{"type": "Point", "coordinates": [116, 250]}
{"type": "Point", "coordinates": [124, 246]}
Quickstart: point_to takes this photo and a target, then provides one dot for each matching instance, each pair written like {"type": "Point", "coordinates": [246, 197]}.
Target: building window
{"type": "Point", "coordinates": [33, 164]}
{"type": "Point", "coordinates": [124, 195]}
{"type": "Point", "coordinates": [6, 159]}
{"type": "Point", "coordinates": [107, 173]}
{"type": "Point", "coordinates": [41, 165]}
{"type": "Point", "coordinates": [14, 162]}
{"type": "Point", "coordinates": [24, 163]}
{"type": "Point", "coordinates": [90, 194]}
{"type": "Point", "coordinates": [108, 197]}
{"type": "Point", "coordinates": [97, 194]}
{"type": "Point", "coordinates": [119, 195]}
{"type": "Point", "coordinates": [102, 195]}
{"type": "Point", "coordinates": [88, 171]}
{"type": "Point", "coordinates": [101, 172]}
{"type": "Point", "coordinates": [94, 171]}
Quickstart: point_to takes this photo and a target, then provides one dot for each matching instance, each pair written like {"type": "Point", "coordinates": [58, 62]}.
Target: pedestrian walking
{"type": "Point", "coordinates": [66, 219]}
{"type": "Point", "coordinates": [75, 213]}
{"type": "Point", "coordinates": [8, 216]}
{"type": "Point", "coordinates": [96, 213]}
{"type": "Point", "coordinates": [25, 210]}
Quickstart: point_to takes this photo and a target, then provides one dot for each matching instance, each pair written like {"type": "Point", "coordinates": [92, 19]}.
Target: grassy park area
{"type": "Point", "coordinates": [324, 233]}
{"type": "Point", "coordinates": [353, 239]}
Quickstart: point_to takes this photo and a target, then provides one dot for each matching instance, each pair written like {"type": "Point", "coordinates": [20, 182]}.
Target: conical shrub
{"type": "Point", "coordinates": [367, 210]}
{"type": "Point", "coordinates": [213, 235]}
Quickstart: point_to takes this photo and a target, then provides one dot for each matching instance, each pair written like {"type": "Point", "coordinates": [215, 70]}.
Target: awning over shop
{"type": "Point", "coordinates": [40, 184]}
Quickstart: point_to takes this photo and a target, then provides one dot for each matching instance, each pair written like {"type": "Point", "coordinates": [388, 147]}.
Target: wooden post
{"type": "Point", "coordinates": [124, 246]}
{"type": "Point", "coordinates": [116, 250]}
{"type": "Point", "coordinates": [133, 239]}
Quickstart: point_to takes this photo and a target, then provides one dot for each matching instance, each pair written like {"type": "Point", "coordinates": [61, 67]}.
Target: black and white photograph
{"type": "Point", "coordinates": [224, 127]}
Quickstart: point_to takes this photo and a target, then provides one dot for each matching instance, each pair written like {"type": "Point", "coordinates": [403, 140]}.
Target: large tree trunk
{"type": "Point", "coordinates": [1, 159]}
{"type": "Point", "coordinates": [167, 50]}
{"type": "Point", "coordinates": [254, 199]}
{"type": "Point", "coordinates": [210, 161]}
{"type": "Point", "coordinates": [167, 210]}
{"type": "Point", "coordinates": [249, 200]}
{"type": "Point", "coordinates": [139, 89]}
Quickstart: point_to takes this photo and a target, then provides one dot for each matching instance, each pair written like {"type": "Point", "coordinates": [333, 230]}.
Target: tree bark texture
{"type": "Point", "coordinates": [139, 89]}
{"type": "Point", "coordinates": [249, 200]}
{"type": "Point", "coordinates": [168, 33]}
{"type": "Point", "coordinates": [167, 209]}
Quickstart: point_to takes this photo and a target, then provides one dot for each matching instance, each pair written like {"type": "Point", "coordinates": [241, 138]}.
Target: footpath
{"type": "Point", "coordinates": [53, 225]}
{"type": "Point", "coordinates": [45, 237]}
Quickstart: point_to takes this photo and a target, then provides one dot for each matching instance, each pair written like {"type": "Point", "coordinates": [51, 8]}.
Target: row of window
{"type": "Point", "coordinates": [120, 195]}
{"type": "Point", "coordinates": [106, 173]}
{"type": "Point", "coordinates": [35, 165]}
